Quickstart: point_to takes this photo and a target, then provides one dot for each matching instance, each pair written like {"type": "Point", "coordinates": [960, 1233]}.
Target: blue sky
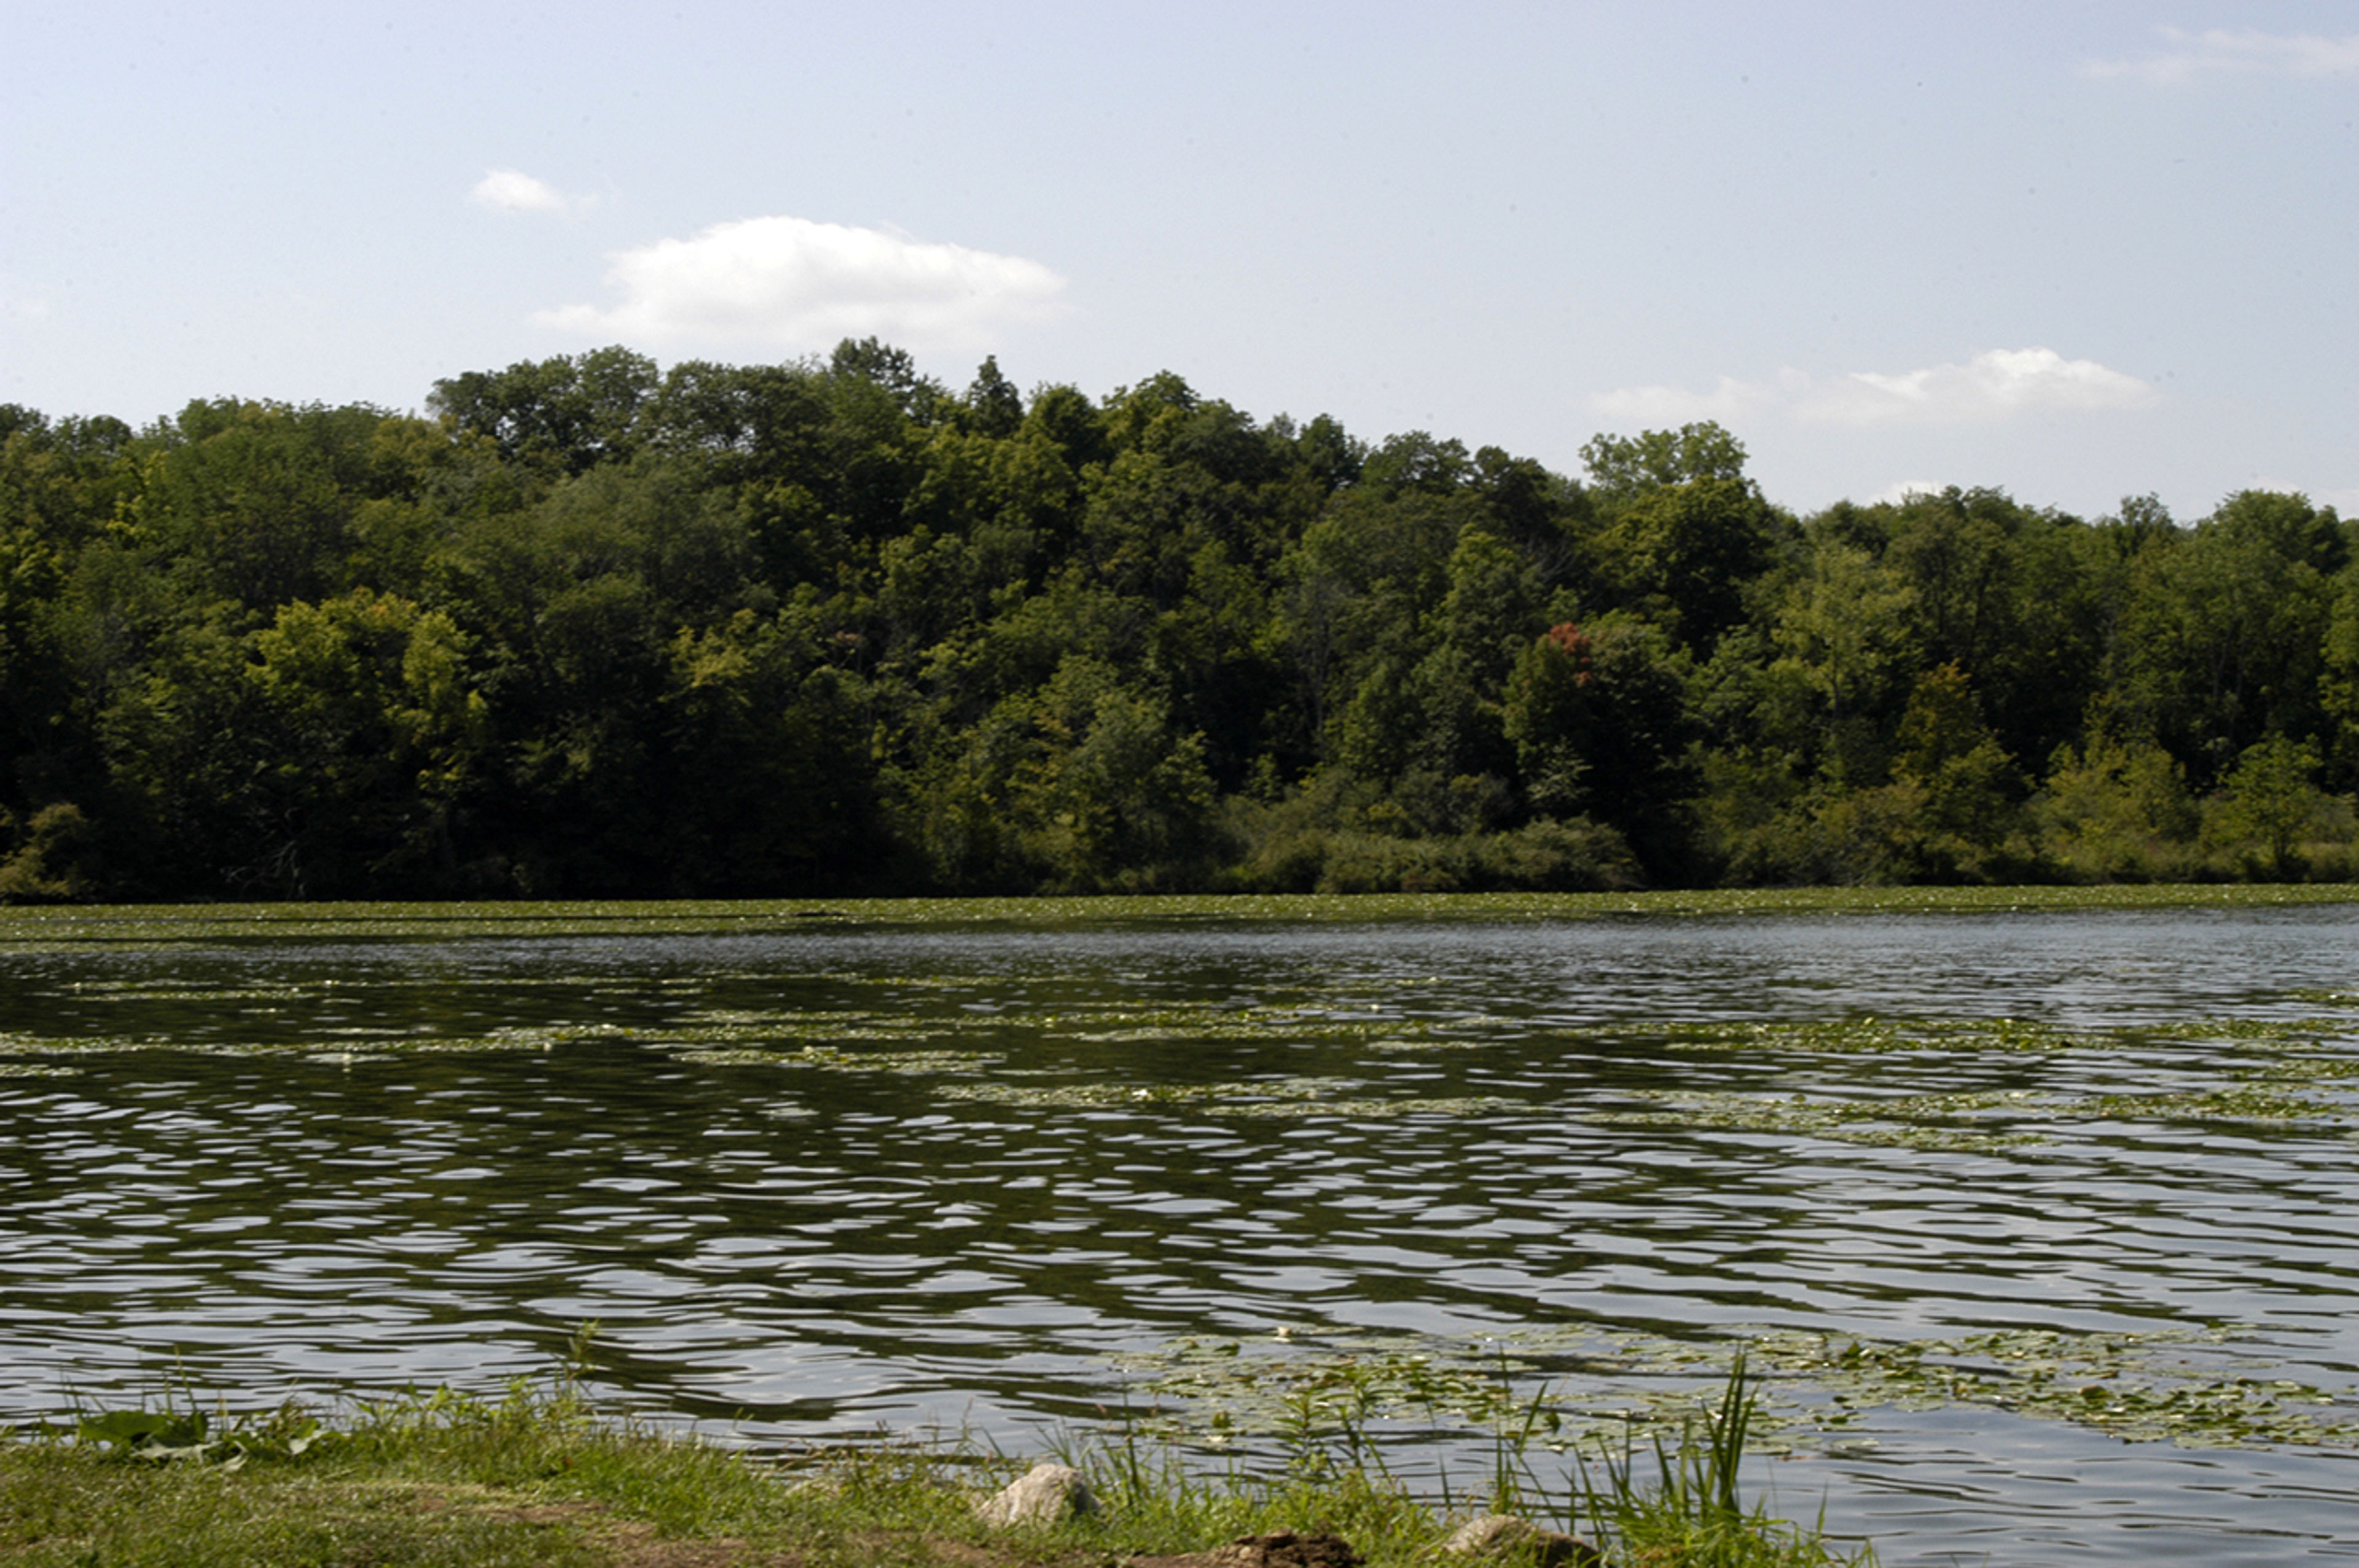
{"type": "Point", "coordinates": [2073, 251]}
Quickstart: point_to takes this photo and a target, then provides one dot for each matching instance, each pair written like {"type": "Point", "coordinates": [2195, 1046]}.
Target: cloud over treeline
{"type": "Point", "coordinates": [2219, 53]}
{"type": "Point", "coordinates": [791, 283]}
{"type": "Point", "coordinates": [1995, 384]}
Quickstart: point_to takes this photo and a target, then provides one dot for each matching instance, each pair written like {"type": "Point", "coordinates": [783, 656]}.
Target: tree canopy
{"type": "Point", "coordinates": [596, 628]}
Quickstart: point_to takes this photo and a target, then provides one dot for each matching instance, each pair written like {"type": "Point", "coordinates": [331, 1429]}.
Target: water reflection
{"type": "Point", "coordinates": [816, 1180]}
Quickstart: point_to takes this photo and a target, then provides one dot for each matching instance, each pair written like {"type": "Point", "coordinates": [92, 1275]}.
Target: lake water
{"type": "Point", "coordinates": [2001, 1204]}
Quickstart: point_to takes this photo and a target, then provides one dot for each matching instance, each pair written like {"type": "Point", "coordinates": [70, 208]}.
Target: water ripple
{"type": "Point", "coordinates": [821, 1180]}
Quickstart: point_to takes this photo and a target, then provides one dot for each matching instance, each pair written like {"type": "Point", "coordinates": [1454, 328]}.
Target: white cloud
{"type": "Point", "coordinates": [1991, 385]}
{"type": "Point", "coordinates": [1659, 406]}
{"type": "Point", "coordinates": [513, 191]}
{"type": "Point", "coordinates": [791, 283]}
{"type": "Point", "coordinates": [1995, 384]}
{"type": "Point", "coordinates": [2218, 51]}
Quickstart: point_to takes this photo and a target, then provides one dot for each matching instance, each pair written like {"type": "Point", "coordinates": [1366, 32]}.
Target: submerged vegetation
{"type": "Point", "coordinates": [539, 1477]}
{"type": "Point", "coordinates": [828, 628]}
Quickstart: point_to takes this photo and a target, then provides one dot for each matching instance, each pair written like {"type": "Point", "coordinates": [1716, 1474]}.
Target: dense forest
{"type": "Point", "coordinates": [592, 628]}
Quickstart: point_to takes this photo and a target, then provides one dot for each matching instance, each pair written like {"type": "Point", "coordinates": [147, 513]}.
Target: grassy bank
{"type": "Point", "coordinates": [43, 925]}
{"type": "Point", "coordinates": [538, 1479]}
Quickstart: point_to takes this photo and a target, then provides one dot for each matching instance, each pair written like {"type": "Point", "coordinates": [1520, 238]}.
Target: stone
{"type": "Point", "coordinates": [1045, 1493]}
{"type": "Point", "coordinates": [1504, 1535]}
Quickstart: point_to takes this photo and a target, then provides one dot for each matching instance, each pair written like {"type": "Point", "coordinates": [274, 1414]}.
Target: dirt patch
{"type": "Point", "coordinates": [638, 1546]}
{"type": "Point", "coordinates": [1284, 1550]}
{"type": "Point", "coordinates": [624, 1543]}
{"type": "Point", "coordinates": [632, 1543]}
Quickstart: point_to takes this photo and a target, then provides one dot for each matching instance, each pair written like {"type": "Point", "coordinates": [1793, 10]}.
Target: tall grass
{"type": "Point", "coordinates": [538, 1477]}
{"type": "Point", "coordinates": [1691, 1512]}
{"type": "Point", "coordinates": [1677, 1503]}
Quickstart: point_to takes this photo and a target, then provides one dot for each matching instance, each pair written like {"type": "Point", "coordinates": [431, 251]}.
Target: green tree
{"type": "Point", "coordinates": [1545, 516]}
{"type": "Point", "coordinates": [1494, 603]}
{"type": "Point", "coordinates": [2339, 676]}
{"type": "Point", "coordinates": [62, 486]}
{"type": "Point", "coordinates": [2119, 811]}
{"type": "Point", "coordinates": [2013, 597]}
{"type": "Point", "coordinates": [994, 407]}
{"type": "Point", "coordinates": [573, 606]}
{"type": "Point", "coordinates": [1967, 791]}
{"type": "Point", "coordinates": [561, 416]}
{"type": "Point", "coordinates": [1416, 461]}
{"type": "Point", "coordinates": [764, 766]}
{"type": "Point", "coordinates": [1082, 786]}
{"type": "Point", "coordinates": [749, 425]}
{"type": "Point", "coordinates": [1125, 799]}
{"type": "Point", "coordinates": [1844, 626]}
{"type": "Point", "coordinates": [891, 371]}
{"type": "Point", "coordinates": [2224, 641]}
{"type": "Point", "coordinates": [1681, 531]}
{"type": "Point", "coordinates": [2267, 804]}
{"type": "Point", "coordinates": [324, 755]}
{"type": "Point", "coordinates": [247, 507]}
{"type": "Point", "coordinates": [47, 861]}
{"type": "Point", "coordinates": [1686, 554]}
{"type": "Point", "coordinates": [1356, 586]}
{"type": "Point", "coordinates": [1622, 467]}
{"type": "Point", "coordinates": [1066, 418]}
{"type": "Point", "coordinates": [1598, 716]}
{"type": "Point", "coordinates": [368, 732]}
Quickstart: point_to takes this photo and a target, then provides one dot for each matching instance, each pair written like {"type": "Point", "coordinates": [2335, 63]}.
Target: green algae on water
{"type": "Point", "coordinates": [1581, 1385]}
{"type": "Point", "coordinates": [24, 927]}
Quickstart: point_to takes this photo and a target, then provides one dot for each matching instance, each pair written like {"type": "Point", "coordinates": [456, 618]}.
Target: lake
{"type": "Point", "coordinates": [2041, 1227]}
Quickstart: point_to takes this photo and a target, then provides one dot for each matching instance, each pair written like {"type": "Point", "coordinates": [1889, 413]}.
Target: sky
{"type": "Point", "coordinates": [2072, 251]}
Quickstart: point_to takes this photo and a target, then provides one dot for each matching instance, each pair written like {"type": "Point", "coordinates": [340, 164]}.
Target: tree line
{"type": "Point", "coordinates": [592, 628]}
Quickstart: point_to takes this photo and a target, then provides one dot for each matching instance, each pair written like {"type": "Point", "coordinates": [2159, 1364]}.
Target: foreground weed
{"type": "Point", "coordinates": [1692, 1515]}
{"type": "Point", "coordinates": [1158, 1502]}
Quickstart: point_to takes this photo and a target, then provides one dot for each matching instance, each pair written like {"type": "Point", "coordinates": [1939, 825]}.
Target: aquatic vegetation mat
{"type": "Point", "coordinates": [1599, 1388]}
{"type": "Point", "coordinates": [1917, 1121]}
{"type": "Point", "coordinates": [24, 927]}
{"type": "Point", "coordinates": [1291, 1098]}
{"type": "Point", "coordinates": [1987, 1122]}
